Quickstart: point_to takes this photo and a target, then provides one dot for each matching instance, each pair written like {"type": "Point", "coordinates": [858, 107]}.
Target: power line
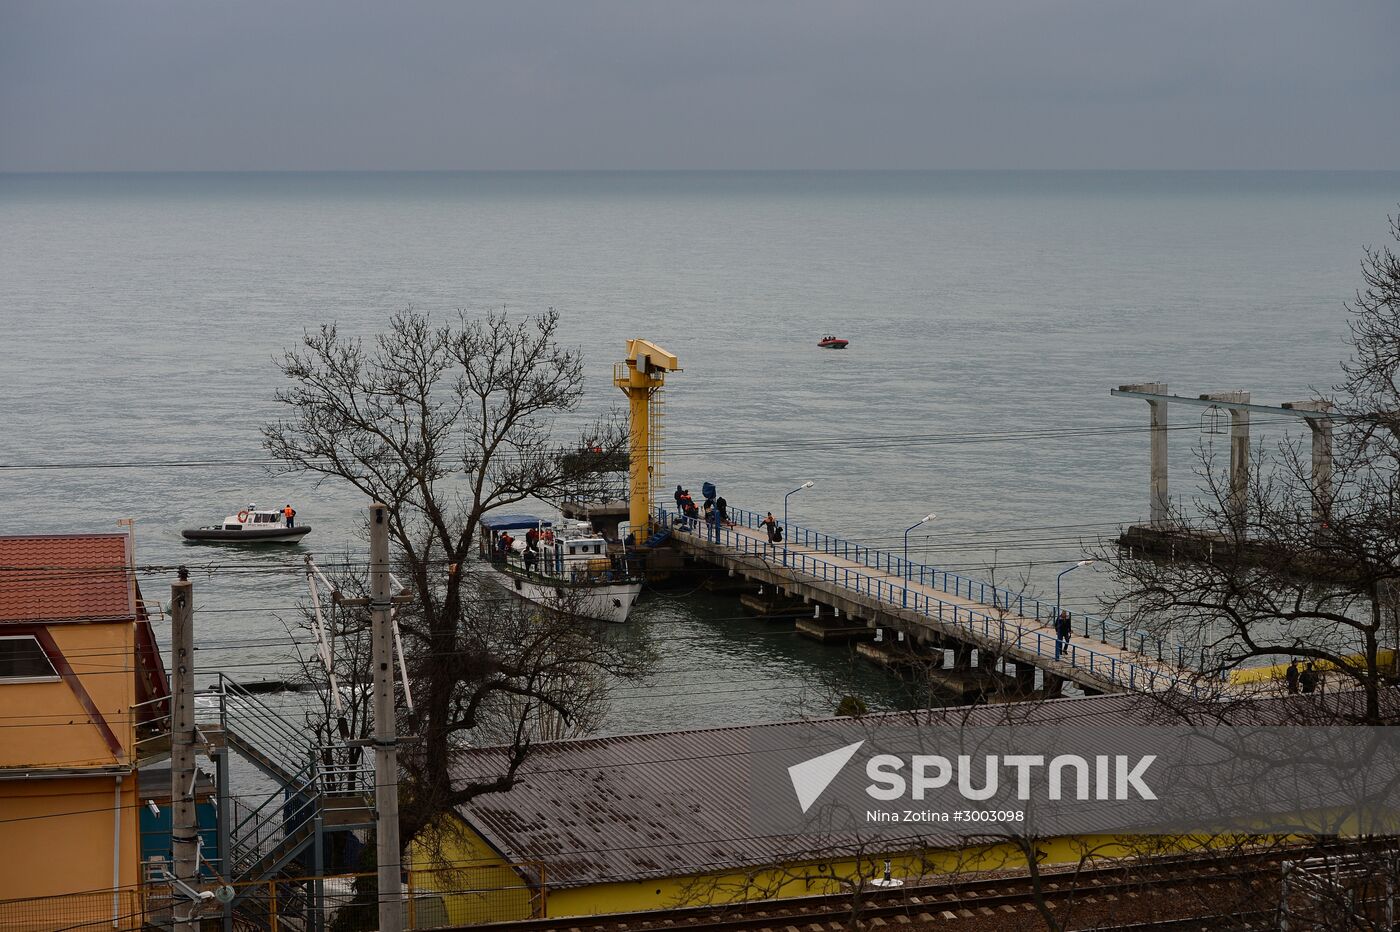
{"type": "Point", "coordinates": [846, 443]}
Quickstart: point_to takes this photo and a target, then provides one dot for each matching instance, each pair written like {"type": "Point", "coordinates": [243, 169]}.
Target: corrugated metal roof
{"type": "Point", "coordinates": [638, 806]}
{"type": "Point", "coordinates": [66, 578]}
{"type": "Point", "coordinates": [672, 804]}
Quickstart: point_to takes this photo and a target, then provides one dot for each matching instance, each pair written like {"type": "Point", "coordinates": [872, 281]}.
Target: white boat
{"type": "Point", "coordinates": [252, 525]}
{"type": "Point", "coordinates": [570, 568]}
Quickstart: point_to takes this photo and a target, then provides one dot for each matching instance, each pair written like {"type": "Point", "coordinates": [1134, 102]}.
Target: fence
{"type": "Point", "coordinates": [891, 586]}
{"type": "Point", "coordinates": [122, 910]}
{"type": "Point", "coordinates": [467, 894]}
{"type": "Point", "coordinates": [953, 584]}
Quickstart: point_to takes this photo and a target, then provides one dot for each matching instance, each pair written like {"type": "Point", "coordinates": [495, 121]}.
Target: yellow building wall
{"type": "Point", "coordinates": [51, 727]}
{"type": "Point", "coordinates": [809, 878]}
{"type": "Point", "coordinates": [56, 835]}
{"type": "Point", "coordinates": [467, 904]}
{"type": "Point", "coordinates": [1385, 661]}
{"type": "Point", "coordinates": [452, 866]}
{"type": "Point", "coordinates": [57, 832]}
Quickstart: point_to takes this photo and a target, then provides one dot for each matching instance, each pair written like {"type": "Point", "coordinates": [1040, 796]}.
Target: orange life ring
{"type": "Point", "coordinates": [243, 517]}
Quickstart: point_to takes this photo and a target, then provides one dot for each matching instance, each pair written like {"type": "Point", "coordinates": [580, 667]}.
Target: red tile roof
{"type": "Point", "coordinates": [66, 577]}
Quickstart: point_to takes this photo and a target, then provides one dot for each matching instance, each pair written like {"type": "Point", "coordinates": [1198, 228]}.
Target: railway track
{"type": "Point", "coordinates": [970, 902]}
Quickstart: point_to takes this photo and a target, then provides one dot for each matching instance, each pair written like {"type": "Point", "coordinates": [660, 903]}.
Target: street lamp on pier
{"type": "Point", "coordinates": [806, 485]}
{"type": "Point", "coordinates": [1061, 576]}
{"type": "Point", "coordinates": [926, 518]}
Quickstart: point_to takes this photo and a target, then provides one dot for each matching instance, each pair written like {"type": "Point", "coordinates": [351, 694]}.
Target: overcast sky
{"type": "Point", "coordinates": [337, 84]}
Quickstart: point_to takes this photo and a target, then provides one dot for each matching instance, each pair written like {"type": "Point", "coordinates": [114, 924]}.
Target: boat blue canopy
{"type": "Point", "coordinates": [513, 522]}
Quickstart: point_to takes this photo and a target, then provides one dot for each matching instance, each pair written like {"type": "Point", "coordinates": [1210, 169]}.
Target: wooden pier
{"type": "Point", "coordinates": [1007, 630]}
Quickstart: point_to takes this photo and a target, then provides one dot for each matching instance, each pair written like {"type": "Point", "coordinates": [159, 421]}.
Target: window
{"type": "Point", "coordinates": [21, 658]}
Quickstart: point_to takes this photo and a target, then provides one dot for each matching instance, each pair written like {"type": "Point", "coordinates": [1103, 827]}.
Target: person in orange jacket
{"type": "Point", "coordinates": [290, 514]}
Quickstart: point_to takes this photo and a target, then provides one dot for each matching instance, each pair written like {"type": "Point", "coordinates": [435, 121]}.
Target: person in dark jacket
{"type": "Point", "coordinates": [770, 526]}
{"type": "Point", "coordinates": [1063, 629]}
{"type": "Point", "coordinates": [1290, 676]}
{"type": "Point", "coordinates": [1308, 679]}
{"type": "Point", "coordinates": [712, 519]}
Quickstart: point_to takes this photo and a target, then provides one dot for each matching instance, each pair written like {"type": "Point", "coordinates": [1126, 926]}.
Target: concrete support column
{"type": "Point", "coordinates": [1237, 502]}
{"type": "Point", "coordinates": [1239, 469]}
{"type": "Point", "coordinates": [1054, 685]}
{"type": "Point", "coordinates": [1321, 470]}
{"type": "Point", "coordinates": [1157, 477]}
{"type": "Point", "coordinates": [962, 656]}
{"type": "Point", "coordinates": [1025, 676]}
{"type": "Point", "coordinates": [1321, 459]}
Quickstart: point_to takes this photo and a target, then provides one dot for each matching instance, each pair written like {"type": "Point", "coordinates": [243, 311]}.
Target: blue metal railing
{"type": "Point", "coordinates": [893, 564]}
{"type": "Point", "coordinates": [891, 589]}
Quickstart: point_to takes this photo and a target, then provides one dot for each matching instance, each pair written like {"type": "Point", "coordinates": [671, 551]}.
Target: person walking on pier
{"type": "Point", "coordinates": [1290, 677]}
{"type": "Point", "coordinates": [1063, 628]}
{"type": "Point", "coordinates": [770, 525]}
{"type": "Point", "coordinates": [1308, 678]}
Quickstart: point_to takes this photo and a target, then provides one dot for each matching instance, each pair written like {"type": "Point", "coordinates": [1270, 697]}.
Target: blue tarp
{"type": "Point", "coordinates": [512, 522]}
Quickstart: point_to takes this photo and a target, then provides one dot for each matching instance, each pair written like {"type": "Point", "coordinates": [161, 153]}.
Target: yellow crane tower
{"type": "Point", "coordinates": [640, 379]}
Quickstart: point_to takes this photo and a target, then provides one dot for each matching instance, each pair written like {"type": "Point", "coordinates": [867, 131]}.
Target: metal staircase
{"type": "Point", "coordinates": [280, 836]}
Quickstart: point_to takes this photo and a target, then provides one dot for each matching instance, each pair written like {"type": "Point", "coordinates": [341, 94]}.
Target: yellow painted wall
{"type": "Point", "coordinates": [807, 878]}
{"type": "Point", "coordinates": [1385, 660]}
{"type": "Point", "coordinates": [476, 885]}
{"type": "Point", "coordinates": [51, 727]}
{"type": "Point", "coordinates": [56, 835]}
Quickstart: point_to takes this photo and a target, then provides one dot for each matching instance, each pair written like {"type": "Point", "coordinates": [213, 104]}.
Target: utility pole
{"type": "Point", "coordinates": [386, 755]}
{"type": "Point", "coordinates": [183, 832]}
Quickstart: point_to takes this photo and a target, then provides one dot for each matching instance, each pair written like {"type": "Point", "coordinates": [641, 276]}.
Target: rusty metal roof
{"type": "Point", "coordinates": [625, 808]}
{"type": "Point", "coordinates": [676, 804]}
{"type": "Point", "coordinates": [634, 807]}
{"type": "Point", "coordinates": [66, 578]}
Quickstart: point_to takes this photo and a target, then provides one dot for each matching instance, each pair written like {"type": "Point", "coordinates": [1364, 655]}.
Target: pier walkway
{"type": "Point", "coordinates": [936, 608]}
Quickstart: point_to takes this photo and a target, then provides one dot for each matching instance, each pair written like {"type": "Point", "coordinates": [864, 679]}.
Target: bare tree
{"type": "Point", "coordinates": [444, 422]}
{"type": "Point", "coordinates": [1309, 567]}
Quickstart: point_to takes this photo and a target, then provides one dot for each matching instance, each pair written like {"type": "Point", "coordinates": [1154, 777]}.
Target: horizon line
{"type": "Point", "coordinates": [660, 171]}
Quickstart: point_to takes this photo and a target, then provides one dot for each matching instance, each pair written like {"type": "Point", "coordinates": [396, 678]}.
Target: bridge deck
{"type": "Point", "coordinates": [873, 583]}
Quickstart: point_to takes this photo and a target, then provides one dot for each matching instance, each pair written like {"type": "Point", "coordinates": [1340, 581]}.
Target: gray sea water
{"type": "Point", "coordinates": [989, 314]}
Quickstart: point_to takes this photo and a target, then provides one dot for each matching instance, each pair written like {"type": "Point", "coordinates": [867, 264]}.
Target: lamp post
{"type": "Point", "coordinates": [1057, 585]}
{"type": "Point", "coordinates": [806, 485]}
{"type": "Point", "coordinates": [926, 518]}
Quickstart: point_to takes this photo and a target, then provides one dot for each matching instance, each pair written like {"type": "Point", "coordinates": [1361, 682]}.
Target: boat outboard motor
{"type": "Point", "coordinates": [708, 490]}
